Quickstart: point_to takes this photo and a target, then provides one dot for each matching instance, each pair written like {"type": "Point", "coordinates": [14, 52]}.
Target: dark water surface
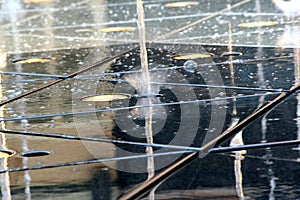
{"type": "Point", "coordinates": [265, 173]}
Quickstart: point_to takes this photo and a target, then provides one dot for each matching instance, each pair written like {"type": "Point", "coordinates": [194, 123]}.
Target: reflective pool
{"type": "Point", "coordinates": [258, 75]}
{"type": "Point", "coordinates": [211, 65]}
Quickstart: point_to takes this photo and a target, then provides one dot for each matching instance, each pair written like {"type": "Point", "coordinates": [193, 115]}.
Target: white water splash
{"type": "Point", "coordinates": [146, 89]}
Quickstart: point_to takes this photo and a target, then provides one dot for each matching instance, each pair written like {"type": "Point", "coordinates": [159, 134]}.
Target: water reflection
{"type": "Point", "coordinates": [4, 178]}
{"type": "Point", "coordinates": [256, 74]}
{"type": "Point", "coordinates": [263, 122]}
{"type": "Point", "coordinates": [243, 108]}
{"type": "Point", "coordinates": [237, 140]}
{"type": "Point", "coordinates": [291, 37]}
{"type": "Point", "coordinates": [25, 148]}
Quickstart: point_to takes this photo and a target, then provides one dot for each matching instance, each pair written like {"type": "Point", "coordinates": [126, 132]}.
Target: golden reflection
{"type": "Point", "coordinates": [258, 24]}
{"type": "Point", "coordinates": [117, 29]}
{"type": "Point", "coordinates": [106, 97]}
{"type": "Point", "coordinates": [33, 60]}
{"type": "Point", "coordinates": [181, 4]}
{"type": "Point", "coordinates": [191, 56]}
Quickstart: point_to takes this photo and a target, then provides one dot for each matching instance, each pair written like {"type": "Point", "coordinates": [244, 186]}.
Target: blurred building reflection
{"type": "Point", "coordinates": [4, 178]}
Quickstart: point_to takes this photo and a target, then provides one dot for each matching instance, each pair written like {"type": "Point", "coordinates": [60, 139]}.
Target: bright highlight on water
{"type": "Point", "coordinates": [117, 29]}
{"type": "Point", "coordinates": [106, 97]}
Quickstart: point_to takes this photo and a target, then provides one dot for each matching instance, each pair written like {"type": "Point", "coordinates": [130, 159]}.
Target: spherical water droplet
{"type": "Point", "coordinates": [190, 66]}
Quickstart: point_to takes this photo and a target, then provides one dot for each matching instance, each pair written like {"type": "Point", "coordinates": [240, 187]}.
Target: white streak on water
{"type": "Point", "coordinates": [146, 89]}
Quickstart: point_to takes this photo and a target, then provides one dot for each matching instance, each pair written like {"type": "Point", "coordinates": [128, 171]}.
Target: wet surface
{"type": "Point", "coordinates": [28, 27]}
{"type": "Point", "coordinates": [204, 77]}
{"type": "Point", "coordinates": [275, 67]}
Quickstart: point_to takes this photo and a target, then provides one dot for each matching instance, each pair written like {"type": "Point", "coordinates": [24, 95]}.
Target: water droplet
{"type": "Point", "coordinates": [190, 66]}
